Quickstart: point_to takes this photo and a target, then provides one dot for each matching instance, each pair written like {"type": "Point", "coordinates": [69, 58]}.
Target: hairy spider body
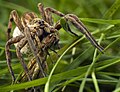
{"type": "Point", "coordinates": [38, 35]}
{"type": "Point", "coordinates": [38, 27]}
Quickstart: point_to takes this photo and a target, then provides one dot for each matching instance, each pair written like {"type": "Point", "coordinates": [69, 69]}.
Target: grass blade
{"type": "Point", "coordinates": [95, 82]}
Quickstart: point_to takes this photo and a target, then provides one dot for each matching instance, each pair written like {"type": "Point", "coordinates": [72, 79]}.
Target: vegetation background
{"type": "Point", "coordinates": [80, 66]}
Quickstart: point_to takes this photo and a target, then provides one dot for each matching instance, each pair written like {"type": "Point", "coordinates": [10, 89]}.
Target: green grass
{"type": "Point", "coordinates": [80, 66]}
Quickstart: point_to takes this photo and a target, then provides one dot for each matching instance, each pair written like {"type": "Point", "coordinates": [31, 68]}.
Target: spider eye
{"type": "Point", "coordinates": [41, 22]}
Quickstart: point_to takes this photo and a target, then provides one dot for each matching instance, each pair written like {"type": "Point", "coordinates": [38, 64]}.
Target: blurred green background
{"type": "Point", "coordinates": [101, 17]}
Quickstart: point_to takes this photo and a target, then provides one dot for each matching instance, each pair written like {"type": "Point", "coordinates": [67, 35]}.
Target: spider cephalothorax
{"type": "Point", "coordinates": [40, 34]}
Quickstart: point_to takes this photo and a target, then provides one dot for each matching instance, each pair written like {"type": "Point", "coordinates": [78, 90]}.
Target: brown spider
{"type": "Point", "coordinates": [39, 34]}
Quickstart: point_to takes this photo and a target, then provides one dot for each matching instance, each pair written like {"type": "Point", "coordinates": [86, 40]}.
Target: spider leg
{"type": "Point", "coordinates": [37, 72]}
{"type": "Point", "coordinates": [49, 18]}
{"type": "Point", "coordinates": [30, 66]}
{"type": "Point", "coordinates": [42, 11]}
{"type": "Point", "coordinates": [34, 49]}
{"type": "Point", "coordinates": [42, 54]}
{"type": "Point", "coordinates": [8, 54]}
{"type": "Point", "coordinates": [38, 42]}
{"type": "Point", "coordinates": [34, 68]}
{"type": "Point", "coordinates": [20, 45]}
{"type": "Point", "coordinates": [49, 9]}
{"type": "Point", "coordinates": [47, 43]}
{"type": "Point", "coordinates": [58, 25]}
{"type": "Point", "coordinates": [46, 13]}
{"type": "Point", "coordinates": [13, 17]}
{"type": "Point", "coordinates": [78, 24]}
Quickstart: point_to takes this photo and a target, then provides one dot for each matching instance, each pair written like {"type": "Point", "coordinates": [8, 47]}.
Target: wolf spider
{"type": "Point", "coordinates": [36, 34]}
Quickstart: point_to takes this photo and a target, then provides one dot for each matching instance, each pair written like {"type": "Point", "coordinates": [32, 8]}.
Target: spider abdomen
{"type": "Point", "coordinates": [25, 49]}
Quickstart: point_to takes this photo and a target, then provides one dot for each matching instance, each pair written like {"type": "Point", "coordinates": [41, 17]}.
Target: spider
{"type": "Point", "coordinates": [35, 34]}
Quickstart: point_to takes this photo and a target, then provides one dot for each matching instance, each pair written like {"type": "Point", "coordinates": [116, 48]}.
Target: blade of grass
{"type": "Point", "coordinates": [49, 78]}
{"type": "Point", "coordinates": [79, 72]}
{"type": "Point", "coordinates": [109, 74]}
{"type": "Point", "coordinates": [107, 77]}
{"type": "Point", "coordinates": [3, 48]}
{"type": "Point", "coordinates": [109, 13]}
{"type": "Point", "coordinates": [1, 52]}
{"type": "Point", "coordinates": [104, 63]}
{"type": "Point", "coordinates": [117, 90]}
{"type": "Point", "coordinates": [101, 21]}
{"type": "Point", "coordinates": [46, 89]}
{"type": "Point", "coordinates": [102, 81]}
{"type": "Point", "coordinates": [117, 60]}
{"type": "Point", "coordinates": [118, 85]}
{"type": "Point", "coordinates": [77, 61]}
{"type": "Point", "coordinates": [89, 69]}
{"type": "Point", "coordinates": [4, 71]}
{"type": "Point", "coordinates": [95, 82]}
